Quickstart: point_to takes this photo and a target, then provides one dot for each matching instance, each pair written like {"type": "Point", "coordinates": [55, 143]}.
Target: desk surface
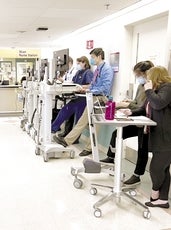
{"type": "Point", "coordinates": [124, 121]}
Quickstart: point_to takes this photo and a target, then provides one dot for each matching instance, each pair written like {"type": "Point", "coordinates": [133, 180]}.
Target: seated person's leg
{"type": "Point", "coordinates": [128, 131]}
{"type": "Point", "coordinates": [75, 132]}
{"type": "Point", "coordinates": [68, 126]}
{"type": "Point", "coordinates": [63, 115]}
{"type": "Point", "coordinates": [142, 158]}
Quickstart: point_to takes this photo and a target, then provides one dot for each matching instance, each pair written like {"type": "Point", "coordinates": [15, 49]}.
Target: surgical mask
{"type": "Point", "coordinates": [92, 61]}
{"type": "Point", "coordinates": [79, 67]}
{"type": "Point", "coordinates": [141, 80]}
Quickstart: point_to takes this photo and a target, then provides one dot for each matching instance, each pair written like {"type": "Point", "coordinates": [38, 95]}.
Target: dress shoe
{"type": "Point", "coordinates": [133, 180]}
{"type": "Point", "coordinates": [60, 140]}
{"type": "Point", "coordinates": [85, 153]}
{"type": "Point", "coordinates": [150, 204]}
{"type": "Point", "coordinates": [108, 160]}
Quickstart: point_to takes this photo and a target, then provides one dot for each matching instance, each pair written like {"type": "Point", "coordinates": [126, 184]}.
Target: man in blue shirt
{"type": "Point", "coordinates": [100, 87]}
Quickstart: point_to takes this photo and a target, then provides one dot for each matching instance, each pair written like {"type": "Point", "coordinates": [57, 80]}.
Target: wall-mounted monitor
{"type": "Point", "coordinates": [60, 61]}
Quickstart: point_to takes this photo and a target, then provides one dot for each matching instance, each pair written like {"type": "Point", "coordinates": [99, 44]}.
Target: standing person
{"type": "Point", "coordinates": [100, 87]}
{"type": "Point", "coordinates": [140, 71]}
{"type": "Point", "coordinates": [77, 105]}
{"type": "Point", "coordinates": [158, 108]}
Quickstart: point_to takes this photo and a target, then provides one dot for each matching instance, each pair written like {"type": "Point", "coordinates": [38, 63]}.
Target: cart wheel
{"type": "Point", "coordinates": [98, 213]}
{"type": "Point", "coordinates": [132, 192]}
{"type": "Point", "coordinates": [45, 157]}
{"type": "Point", "coordinates": [78, 183]}
{"type": "Point", "coordinates": [72, 154]}
{"type": "Point", "coordinates": [73, 171]}
{"type": "Point", "coordinates": [147, 214]}
{"type": "Point", "coordinates": [37, 151]}
{"type": "Point", "coordinates": [22, 125]}
{"type": "Point", "coordinates": [93, 191]}
{"type": "Point", "coordinates": [34, 135]}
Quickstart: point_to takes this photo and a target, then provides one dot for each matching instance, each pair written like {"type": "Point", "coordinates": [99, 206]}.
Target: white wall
{"type": "Point", "coordinates": [149, 19]}
{"type": "Point", "coordinates": [118, 33]}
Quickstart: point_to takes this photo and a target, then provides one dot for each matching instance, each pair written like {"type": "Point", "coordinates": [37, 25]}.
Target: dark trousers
{"type": "Point", "coordinates": [160, 173]}
{"type": "Point", "coordinates": [142, 156]}
{"type": "Point", "coordinates": [74, 107]}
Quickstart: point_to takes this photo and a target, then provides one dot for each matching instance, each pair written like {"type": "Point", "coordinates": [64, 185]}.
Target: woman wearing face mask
{"type": "Point", "coordinates": [140, 71]}
{"type": "Point", "coordinates": [158, 108]}
{"type": "Point", "coordinates": [77, 105]}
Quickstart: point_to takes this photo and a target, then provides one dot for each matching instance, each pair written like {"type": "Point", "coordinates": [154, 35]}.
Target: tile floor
{"type": "Point", "coordinates": [35, 195]}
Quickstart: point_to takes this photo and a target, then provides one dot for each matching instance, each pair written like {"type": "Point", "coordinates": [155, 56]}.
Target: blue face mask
{"type": "Point", "coordinates": [141, 80]}
{"type": "Point", "coordinates": [78, 67]}
{"type": "Point", "coordinates": [92, 61]}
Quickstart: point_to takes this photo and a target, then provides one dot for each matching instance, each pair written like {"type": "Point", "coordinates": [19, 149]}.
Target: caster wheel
{"type": "Point", "coordinates": [37, 151]}
{"type": "Point", "coordinates": [93, 191]}
{"type": "Point", "coordinates": [97, 213]}
{"type": "Point", "coordinates": [132, 193]}
{"type": "Point", "coordinates": [73, 172]}
{"type": "Point", "coordinates": [34, 135]}
{"type": "Point", "coordinates": [147, 214]}
{"type": "Point", "coordinates": [72, 154]}
{"type": "Point", "coordinates": [78, 183]}
{"type": "Point", "coordinates": [45, 158]}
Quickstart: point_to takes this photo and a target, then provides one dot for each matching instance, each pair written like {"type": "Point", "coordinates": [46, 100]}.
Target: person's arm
{"type": "Point", "coordinates": [161, 98]}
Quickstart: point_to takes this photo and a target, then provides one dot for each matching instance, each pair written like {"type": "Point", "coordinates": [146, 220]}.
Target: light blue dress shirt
{"type": "Point", "coordinates": [103, 80]}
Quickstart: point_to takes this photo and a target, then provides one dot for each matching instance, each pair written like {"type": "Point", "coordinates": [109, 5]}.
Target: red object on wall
{"type": "Point", "coordinates": [89, 44]}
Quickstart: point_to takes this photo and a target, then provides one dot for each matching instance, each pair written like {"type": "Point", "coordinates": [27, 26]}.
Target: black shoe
{"type": "Point", "coordinates": [150, 204]}
{"type": "Point", "coordinates": [108, 160]}
{"type": "Point", "coordinates": [60, 140]}
{"type": "Point", "coordinates": [85, 153]}
{"type": "Point", "coordinates": [133, 180]}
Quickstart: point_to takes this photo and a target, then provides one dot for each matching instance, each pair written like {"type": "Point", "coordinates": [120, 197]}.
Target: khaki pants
{"type": "Point", "coordinates": [80, 126]}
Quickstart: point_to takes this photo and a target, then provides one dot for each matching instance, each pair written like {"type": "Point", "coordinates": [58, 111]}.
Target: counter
{"type": "Point", "coordinates": [9, 103]}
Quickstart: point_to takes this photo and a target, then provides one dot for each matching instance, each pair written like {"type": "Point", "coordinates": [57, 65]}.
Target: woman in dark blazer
{"type": "Point", "coordinates": [158, 108]}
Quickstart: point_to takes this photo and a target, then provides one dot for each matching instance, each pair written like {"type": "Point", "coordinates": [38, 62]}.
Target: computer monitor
{"type": "Point", "coordinates": [60, 61]}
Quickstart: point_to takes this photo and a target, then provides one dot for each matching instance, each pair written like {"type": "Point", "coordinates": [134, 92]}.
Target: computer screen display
{"type": "Point", "coordinates": [60, 61]}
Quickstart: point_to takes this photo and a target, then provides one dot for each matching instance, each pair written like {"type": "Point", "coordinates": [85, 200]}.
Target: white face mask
{"type": "Point", "coordinates": [78, 67]}
{"type": "Point", "coordinates": [141, 80]}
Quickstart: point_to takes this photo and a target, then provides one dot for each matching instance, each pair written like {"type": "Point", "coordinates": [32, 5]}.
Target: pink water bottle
{"type": "Point", "coordinates": [110, 109]}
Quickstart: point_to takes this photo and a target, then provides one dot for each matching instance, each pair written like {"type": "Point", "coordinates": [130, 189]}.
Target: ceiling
{"type": "Point", "coordinates": [19, 19]}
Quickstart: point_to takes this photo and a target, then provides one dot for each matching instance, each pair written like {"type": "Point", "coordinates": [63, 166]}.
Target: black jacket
{"type": "Point", "coordinates": [160, 104]}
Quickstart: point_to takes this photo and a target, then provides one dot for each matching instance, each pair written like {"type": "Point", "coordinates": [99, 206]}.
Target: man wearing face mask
{"type": "Point", "coordinates": [100, 87]}
{"type": "Point", "coordinates": [140, 71]}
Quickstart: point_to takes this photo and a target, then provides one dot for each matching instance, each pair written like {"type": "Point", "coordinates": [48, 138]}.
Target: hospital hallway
{"type": "Point", "coordinates": [38, 195]}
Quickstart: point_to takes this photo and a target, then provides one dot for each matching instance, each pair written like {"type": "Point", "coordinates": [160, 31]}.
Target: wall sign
{"type": "Point", "coordinates": [114, 61]}
{"type": "Point", "coordinates": [89, 44]}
